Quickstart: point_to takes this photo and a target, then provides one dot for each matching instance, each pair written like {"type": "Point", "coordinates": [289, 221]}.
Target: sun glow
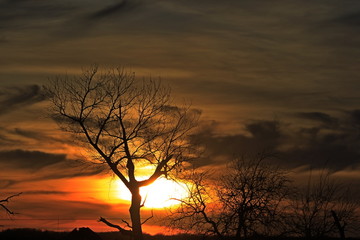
{"type": "Point", "coordinates": [160, 194]}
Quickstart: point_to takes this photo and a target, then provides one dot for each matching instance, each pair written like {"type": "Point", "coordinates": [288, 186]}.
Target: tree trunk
{"type": "Point", "coordinates": [338, 225]}
{"type": "Point", "coordinates": [308, 234]}
{"type": "Point", "coordinates": [135, 213]}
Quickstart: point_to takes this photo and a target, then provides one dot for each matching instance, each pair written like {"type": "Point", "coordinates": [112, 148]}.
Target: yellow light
{"type": "Point", "coordinates": [160, 194]}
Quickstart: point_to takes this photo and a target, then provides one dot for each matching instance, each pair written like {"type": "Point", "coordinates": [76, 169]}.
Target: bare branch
{"type": "Point", "coordinates": [147, 219]}
{"type": "Point", "coordinates": [127, 224]}
{"type": "Point", "coordinates": [6, 200]}
{"type": "Point", "coordinates": [121, 230]}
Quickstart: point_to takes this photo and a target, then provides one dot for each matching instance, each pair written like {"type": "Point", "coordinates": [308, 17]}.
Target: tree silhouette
{"type": "Point", "coordinates": [322, 208]}
{"type": "Point", "coordinates": [127, 124]}
{"type": "Point", "coordinates": [247, 199]}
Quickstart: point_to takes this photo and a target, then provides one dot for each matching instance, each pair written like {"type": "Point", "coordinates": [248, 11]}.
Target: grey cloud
{"type": "Point", "coordinates": [33, 160]}
{"type": "Point", "coordinates": [22, 15]}
{"type": "Point", "coordinates": [330, 151]}
{"type": "Point", "coordinates": [47, 165]}
{"type": "Point", "coordinates": [324, 118]}
{"type": "Point", "coordinates": [329, 142]}
{"type": "Point", "coordinates": [355, 116]}
{"type": "Point", "coordinates": [123, 5]}
{"type": "Point", "coordinates": [265, 130]}
{"type": "Point", "coordinates": [352, 19]}
{"type": "Point", "coordinates": [12, 98]}
{"type": "Point", "coordinates": [262, 136]}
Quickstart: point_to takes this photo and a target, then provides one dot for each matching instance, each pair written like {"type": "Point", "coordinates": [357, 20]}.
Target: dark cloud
{"type": "Point", "coordinates": [324, 118]}
{"type": "Point", "coordinates": [21, 14]}
{"type": "Point", "coordinates": [327, 152]}
{"type": "Point", "coordinates": [46, 166]}
{"type": "Point", "coordinates": [12, 98]}
{"type": "Point", "coordinates": [43, 192]}
{"type": "Point", "coordinates": [264, 130]}
{"type": "Point", "coordinates": [34, 160]}
{"type": "Point", "coordinates": [352, 19]}
{"type": "Point", "coordinates": [259, 136]}
{"type": "Point", "coordinates": [329, 142]}
{"type": "Point", "coordinates": [355, 116]}
{"type": "Point", "coordinates": [123, 5]}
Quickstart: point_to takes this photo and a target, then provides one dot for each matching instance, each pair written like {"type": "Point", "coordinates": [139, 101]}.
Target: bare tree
{"type": "Point", "coordinates": [247, 199]}
{"type": "Point", "coordinates": [252, 194]}
{"type": "Point", "coordinates": [199, 211]}
{"type": "Point", "coordinates": [4, 201]}
{"type": "Point", "coordinates": [321, 208]}
{"type": "Point", "coordinates": [127, 124]}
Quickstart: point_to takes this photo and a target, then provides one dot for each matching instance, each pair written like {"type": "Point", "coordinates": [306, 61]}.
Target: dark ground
{"type": "Point", "coordinates": [34, 234]}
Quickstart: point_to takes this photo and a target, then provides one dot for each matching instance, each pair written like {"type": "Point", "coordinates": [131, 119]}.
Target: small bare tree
{"type": "Point", "coordinates": [252, 194]}
{"type": "Point", "coordinates": [199, 211]}
{"type": "Point", "coordinates": [127, 124]}
{"type": "Point", "coordinates": [320, 209]}
{"type": "Point", "coordinates": [247, 199]}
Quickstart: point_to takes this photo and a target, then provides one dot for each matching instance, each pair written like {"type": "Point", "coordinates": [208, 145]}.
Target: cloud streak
{"type": "Point", "coordinates": [35, 166]}
{"type": "Point", "coordinates": [12, 98]}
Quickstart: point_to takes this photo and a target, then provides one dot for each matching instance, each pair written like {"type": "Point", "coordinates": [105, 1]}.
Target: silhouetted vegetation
{"type": "Point", "coordinates": [125, 123]}
{"type": "Point", "coordinates": [253, 198]}
{"type": "Point", "coordinates": [246, 200]}
{"type": "Point", "coordinates": [35, 234]}
{"type": "Point", "coordinates": [322, 208]}
{"type": "Point", "coordinates": [31, 234]}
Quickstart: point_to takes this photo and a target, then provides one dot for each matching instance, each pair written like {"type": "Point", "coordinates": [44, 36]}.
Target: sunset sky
{"type": "Point", "coordinates": [277, 75]}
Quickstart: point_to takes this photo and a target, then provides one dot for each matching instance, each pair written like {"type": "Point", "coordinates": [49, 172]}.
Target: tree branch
{"type": "Point", "coordinates": [157, 173]}
{"type": "Point", "coordinates": [121, 230]}
{"type": "Point", "coordinates": [152, 215]}
{"type": "Point", "coordinates": [6, 200]}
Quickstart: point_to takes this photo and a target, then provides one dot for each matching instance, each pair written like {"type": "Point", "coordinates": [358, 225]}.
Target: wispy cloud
{"type": "Point", "coordinates": [13, 98]}
{"type": "Point", "coordinates": [33, 160]}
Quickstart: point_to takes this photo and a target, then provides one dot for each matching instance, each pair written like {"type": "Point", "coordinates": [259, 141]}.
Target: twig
{"type": "Point", "coordinates": [6, 200]}
{"type": "Point", "coordinates": [152, 215]}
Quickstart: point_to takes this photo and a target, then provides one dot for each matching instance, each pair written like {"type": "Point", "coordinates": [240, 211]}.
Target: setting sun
{"type": "Point", "coordinates": [160, 194]}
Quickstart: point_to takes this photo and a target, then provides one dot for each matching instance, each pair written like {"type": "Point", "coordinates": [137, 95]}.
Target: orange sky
{"type": "Point", "coordinates": [279, 76]}
{"type": "Point", "coordinates": [63, 204]}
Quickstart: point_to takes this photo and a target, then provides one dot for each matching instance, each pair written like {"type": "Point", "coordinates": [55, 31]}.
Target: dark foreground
{"type": "Point", "coordinates": [87, 234]}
